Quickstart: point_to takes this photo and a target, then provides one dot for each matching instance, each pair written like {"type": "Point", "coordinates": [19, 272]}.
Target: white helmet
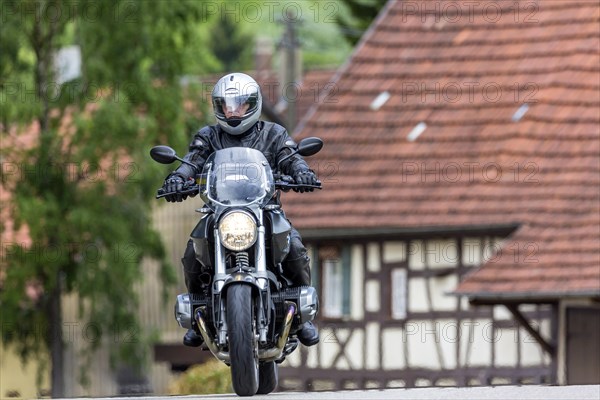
{"type": "Point", "coordinates": [237, 102]}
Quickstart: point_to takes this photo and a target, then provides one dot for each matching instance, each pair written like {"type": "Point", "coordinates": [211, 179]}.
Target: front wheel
{"type": "Point", "coordinates": [242, 343]}
{"type": "Point", "coordinates": [268, 377]}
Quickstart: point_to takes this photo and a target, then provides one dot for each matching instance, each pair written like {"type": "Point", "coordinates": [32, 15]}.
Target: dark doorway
{"type": "Point", "coordinates": [583, 345]}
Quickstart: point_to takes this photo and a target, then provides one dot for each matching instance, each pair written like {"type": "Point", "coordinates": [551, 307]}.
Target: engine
{"type": "Point", "coordinates": [305, 297]}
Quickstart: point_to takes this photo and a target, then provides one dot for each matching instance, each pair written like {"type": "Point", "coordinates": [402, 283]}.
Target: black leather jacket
{"type": "Point", "coordinates": [269, 138]}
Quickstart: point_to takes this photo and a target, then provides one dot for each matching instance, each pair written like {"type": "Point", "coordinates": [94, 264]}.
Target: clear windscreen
{"type": "Point", "coordinates": [237, 176]}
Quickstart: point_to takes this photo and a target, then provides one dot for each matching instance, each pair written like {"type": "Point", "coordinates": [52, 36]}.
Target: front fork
{"type": "Point", "coordinates": [259, 279]}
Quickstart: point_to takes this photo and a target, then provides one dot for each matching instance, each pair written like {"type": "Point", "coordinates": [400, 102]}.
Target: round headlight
{"type": "Point", "coordinates": [237, 231]}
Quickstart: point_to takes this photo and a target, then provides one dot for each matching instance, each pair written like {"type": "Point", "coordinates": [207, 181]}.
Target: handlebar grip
{"type": "Point", "coordinates": [283, 179]}
{"type": "Point", "coordinates": [287, 185]}
{"type": "Point", "coordinates": [191, 190]}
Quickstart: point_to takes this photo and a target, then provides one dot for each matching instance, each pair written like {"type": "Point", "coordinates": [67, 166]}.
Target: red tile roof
{"type": "Point", "coordinates": [467, 75]}
{"type": "Point", "coordinates": [303, 93]}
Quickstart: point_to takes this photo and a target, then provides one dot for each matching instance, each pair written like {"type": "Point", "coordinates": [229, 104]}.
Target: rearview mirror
{"type": "Point", "coordinates": [310, 146]}
{"type": "Point", "coordinates": [163, 154]}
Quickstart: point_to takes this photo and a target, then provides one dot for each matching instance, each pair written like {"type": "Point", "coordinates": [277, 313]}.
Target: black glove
{"type": "Point", "coordinates": [305, 177]}
{"type": "Point", "coordinates": [173, 185]}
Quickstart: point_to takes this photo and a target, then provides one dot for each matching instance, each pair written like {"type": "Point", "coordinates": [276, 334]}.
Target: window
{"type": "Point", "coordinates": [335, 281]}
{"type": "Point", "coordinates": [399, 293]}
{"type": "Point", "coordinates": [333, 295]}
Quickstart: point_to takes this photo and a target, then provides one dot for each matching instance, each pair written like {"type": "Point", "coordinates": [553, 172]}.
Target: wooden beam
{"type": "Point", "coordinates": [549, 348]}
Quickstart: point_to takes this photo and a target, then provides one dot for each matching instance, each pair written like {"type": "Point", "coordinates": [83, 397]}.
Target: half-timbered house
{"type": "Point", "coordinates": [457, 137]}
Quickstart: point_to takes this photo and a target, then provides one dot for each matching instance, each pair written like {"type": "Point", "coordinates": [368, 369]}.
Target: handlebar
{"type": "Point", "coordinates": [188, 191]}
{"type": "Point", "coordinates": [284, 183]}
{"type": "Point", "coordinates": [285, 186]}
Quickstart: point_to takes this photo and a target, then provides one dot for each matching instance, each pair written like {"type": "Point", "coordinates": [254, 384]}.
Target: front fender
{"type": "Point", "coordinates": [264, 305]}
{"type": "Point", "coordinates": [240, 278]}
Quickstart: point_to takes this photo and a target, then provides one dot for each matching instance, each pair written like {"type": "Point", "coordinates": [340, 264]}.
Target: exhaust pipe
{"type": "Point", "coordinates": [221, 355]}
{"type": "Point", "coordinates": [272, 354]}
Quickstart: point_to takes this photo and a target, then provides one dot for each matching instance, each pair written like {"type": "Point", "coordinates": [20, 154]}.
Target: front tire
{"type": "Point", "coordinates": [269, 377]}
{"type": "Point", "coordinates": [242, 343]}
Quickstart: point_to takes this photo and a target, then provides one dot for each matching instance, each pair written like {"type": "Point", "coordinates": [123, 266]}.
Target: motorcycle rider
{"type": "Point", "coordinates": [237, 103]}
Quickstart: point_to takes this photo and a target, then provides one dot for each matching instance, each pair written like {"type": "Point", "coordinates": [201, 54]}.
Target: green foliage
{"type": "Point", "coordinates": [232, 27]}
{"type": "Point", "coordinates": [212, 377]}
{"type": "Point", "coordinates": [319, 35]}
{"type": "Point", "coordinates": [86, 183]}
{"type": "Point", "coordinates": [232, 46]}
{"type": "Point", "coordinates": [359, 17]}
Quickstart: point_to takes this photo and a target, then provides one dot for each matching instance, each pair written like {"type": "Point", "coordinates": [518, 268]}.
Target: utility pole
{"type": "Point", "coordinates": [288, 91]}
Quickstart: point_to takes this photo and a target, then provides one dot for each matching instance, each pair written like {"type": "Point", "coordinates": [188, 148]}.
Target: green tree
{"type": "Point", "coordinates": [358, 17]}
{"type": "Point", "coordinates": [234, 25]}
{"type": "Point", "coordinates": [231, 45]}
{"type": "Point", "coordinates": [83, 187]}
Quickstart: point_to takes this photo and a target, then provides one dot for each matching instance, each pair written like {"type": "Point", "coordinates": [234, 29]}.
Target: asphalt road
{"type": "Point", "coordinates": [591, 392]}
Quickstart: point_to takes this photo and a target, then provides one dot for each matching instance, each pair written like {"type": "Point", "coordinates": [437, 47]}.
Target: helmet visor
{"type": "Point", "coordinates": [235, 106]}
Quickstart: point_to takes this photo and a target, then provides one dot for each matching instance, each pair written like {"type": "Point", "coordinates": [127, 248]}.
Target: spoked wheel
{"type": "Point", "coordinates": [243, 350]}
{"type": "Point", "coordinates": [269, 377]}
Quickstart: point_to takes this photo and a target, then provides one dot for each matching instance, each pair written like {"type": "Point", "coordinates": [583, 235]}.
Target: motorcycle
{"type": "Point", "coordinates": [247, 312]}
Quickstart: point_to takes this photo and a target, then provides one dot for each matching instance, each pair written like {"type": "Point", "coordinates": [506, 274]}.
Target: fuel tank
{"type": "Point", "coordinates": [204, 241]}
{"type": "Point", "coordinates": [278, 229]}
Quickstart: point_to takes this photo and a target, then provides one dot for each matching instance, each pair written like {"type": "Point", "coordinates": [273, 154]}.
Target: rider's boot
{"type": "Point", "coordinates": [191, 272]}
{"type": "Point", "coordinates": [192, 339]}
{"type": "Point", "coordinates": [297, 269]}
{"type": "Point", "coordinates": [308, 335]}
